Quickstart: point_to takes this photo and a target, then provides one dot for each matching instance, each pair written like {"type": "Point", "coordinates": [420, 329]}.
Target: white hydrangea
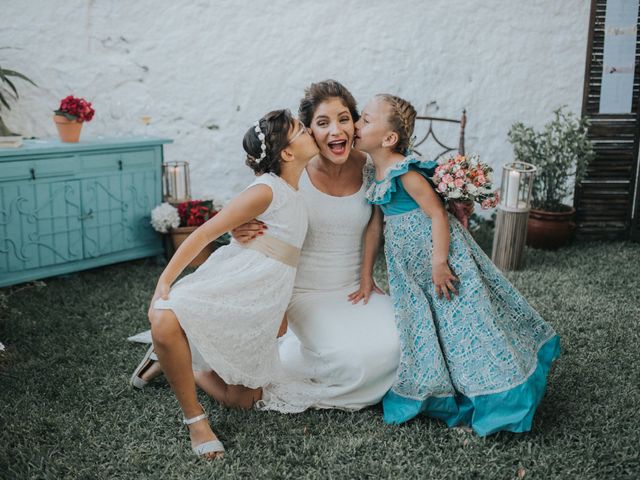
{"type": "Point", "coordinates": [165, 217]}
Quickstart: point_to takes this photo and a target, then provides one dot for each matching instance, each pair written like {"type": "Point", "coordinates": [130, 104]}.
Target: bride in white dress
{"type": "Point", "coordinates": [341, 337]}
{"type": "Point", "coordinates": [349, 351]}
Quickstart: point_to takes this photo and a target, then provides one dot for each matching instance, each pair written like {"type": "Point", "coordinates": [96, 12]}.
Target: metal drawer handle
{"type": "Point", "coordinates": [119, 164]}
{"type": "Point", "coordinates": [32, 171]}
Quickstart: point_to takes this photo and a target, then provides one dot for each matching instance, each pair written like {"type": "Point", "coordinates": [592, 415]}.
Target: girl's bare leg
{"type": "Point", "coordinates": [172, 347]}
{"type": "Point", "coordinates": [234, 396]}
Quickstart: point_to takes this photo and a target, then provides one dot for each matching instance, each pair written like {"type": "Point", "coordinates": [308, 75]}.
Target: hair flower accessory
{"type": "Point", "coordinates": [263, 145]}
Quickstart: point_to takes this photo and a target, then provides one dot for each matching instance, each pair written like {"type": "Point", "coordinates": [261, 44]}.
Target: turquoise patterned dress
{"type": "Point", "coordinates": [480, 359]}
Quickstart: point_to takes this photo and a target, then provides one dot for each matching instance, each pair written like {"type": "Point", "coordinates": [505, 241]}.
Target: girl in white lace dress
{"type": "Point", "coordinates": [224, 317]}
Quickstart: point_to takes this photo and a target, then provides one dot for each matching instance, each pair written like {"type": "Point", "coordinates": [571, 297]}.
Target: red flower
{"type": "Point", "coordinates": [75, 109]}
{"type": "Point", "coordinates": [195, 212]}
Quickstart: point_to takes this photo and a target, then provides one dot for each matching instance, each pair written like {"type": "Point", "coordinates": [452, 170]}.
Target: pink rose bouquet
{"type": "Point", "coordinates": [463, 180]}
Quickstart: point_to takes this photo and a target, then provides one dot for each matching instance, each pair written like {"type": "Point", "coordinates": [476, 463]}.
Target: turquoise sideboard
{"type": "Point", "coordinates": [71, 206]}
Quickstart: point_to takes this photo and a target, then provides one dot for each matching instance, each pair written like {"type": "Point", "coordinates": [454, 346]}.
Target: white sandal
{"type": "Point", "coordinates": [136, 380]}
{"type": "Point", "coordinates": [212, 446]}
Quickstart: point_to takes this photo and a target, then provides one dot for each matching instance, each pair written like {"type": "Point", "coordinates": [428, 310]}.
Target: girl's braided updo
{"type": "Point", "coordinates": [402, 120]}
{"type": "Point", "coordinates": [275, 126]}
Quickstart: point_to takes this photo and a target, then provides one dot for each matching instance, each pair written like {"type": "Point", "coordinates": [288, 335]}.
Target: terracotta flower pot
{"type": "Point", "coordinates": [68, 130]}
{"type": "Point", "coordinates": [180, 234]}
{"type": "Point", "coordinates": [550, 230]}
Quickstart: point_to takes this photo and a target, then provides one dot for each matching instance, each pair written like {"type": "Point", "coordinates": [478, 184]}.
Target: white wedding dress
{"type": "Point", "coordinates": [347, 354]}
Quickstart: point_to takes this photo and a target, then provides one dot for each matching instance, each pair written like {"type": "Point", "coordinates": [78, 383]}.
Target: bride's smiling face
{"type": "Point", "coordinates": [333, 128]}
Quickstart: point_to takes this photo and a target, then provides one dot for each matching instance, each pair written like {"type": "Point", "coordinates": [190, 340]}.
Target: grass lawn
{"type": "Point", "coordinates": [66, 410]}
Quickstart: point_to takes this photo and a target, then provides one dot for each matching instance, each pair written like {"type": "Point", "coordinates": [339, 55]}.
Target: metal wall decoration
{"type": "Point", "coordinates": [431, 134]}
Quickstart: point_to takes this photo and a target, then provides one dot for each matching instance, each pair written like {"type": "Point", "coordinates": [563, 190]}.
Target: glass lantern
{"type": "Point", "coordinates": [176, 182]}
{"type": "Point", "coordinates": [515, 189]}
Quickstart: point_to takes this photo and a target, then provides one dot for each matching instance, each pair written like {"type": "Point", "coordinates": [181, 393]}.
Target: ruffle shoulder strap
{"type": "Point", "coordinates": [379, 192]}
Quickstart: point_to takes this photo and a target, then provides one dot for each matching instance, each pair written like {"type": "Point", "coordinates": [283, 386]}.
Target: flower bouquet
{"type": "Point", "coordinates": [70, 116]}
{"type": "Point", "coordinates": [180, 221]}
{"type": "Point", "coordinates": [463, 181]}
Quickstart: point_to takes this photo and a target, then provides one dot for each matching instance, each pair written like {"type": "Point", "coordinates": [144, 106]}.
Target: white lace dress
{"type": "Point", "coordinates": [232, 306]}
{"type": "Point", "coordinates": [348, 354]}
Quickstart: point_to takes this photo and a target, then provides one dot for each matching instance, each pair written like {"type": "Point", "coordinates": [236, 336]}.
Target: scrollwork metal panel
{"type": "Point", "coordinates": [116, 212]}
{"type": "Point", "coordinates": [40, 225]}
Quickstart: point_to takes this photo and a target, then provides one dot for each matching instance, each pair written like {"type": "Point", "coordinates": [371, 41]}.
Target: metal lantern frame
{"type": "Point", "coordinates": [513, 214]}
{"type": "Point", "coordinates": [516, 186]}
{"type": "Point", "coordinates": [176, 182]}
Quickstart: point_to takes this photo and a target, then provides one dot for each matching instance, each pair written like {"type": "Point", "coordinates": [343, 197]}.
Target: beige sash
{"type": "Point", "coordinates": [275, 248]}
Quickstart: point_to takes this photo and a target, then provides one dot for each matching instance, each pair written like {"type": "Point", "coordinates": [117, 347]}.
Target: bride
{"type": "Point", "coordinates": [342, 336]}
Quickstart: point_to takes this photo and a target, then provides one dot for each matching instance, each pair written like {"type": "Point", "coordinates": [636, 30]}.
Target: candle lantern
{"type": "Point", "coordinates": [513, 214]}
{"type": "Point", "coordinates": [176, 182]}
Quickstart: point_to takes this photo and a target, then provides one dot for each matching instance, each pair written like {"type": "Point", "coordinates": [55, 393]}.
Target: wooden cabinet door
{"type": "Point", "coordinates": [607, 200]}
{"type": "Point", "coordinates": [40, 224]}
{"type": "Point", "coordinates": [116, 212]}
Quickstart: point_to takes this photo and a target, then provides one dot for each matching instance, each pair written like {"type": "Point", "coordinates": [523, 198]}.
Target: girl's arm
{"type": "Point", "coordinates": [246, 206]}
{"type": "Point", "coordinates": [426, 197]}
{"type": "Point", "coordinates": [372, 239]}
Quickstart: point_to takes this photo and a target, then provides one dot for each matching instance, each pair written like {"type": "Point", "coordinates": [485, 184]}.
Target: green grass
{"type": "Point", "coordinates": [66, 410]}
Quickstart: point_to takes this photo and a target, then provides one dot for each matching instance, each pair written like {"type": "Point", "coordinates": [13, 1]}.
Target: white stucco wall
{"type": "Point", "coordinates": [204, 71]}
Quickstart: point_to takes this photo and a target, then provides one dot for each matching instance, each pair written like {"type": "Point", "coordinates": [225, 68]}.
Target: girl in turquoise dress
{"type": "Point", "coordinates": [473, 351]}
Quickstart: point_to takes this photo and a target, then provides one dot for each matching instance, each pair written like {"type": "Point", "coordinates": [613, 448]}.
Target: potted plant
{"type": "Point", "coordinates": [70, 116]}
{"type": "Point", "coordinates": [9, 93]}
{"type": "Point", "coordinates": [561, 152]}
{"type": "Point", "coordinates": [180, 221]}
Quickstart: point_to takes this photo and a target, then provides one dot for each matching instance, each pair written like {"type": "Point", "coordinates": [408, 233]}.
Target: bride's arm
{"type": "Point", "coordinates": [372, 240]}
{"type": "Point", "coordinates": [248, 231]}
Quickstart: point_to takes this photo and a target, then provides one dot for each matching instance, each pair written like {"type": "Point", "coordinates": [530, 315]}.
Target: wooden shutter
{"type": "Point", "coordinates": [605, 199]}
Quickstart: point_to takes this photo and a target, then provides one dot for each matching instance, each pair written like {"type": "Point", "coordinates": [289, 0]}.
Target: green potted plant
{"type": "Point", "coordinates": [561, 152]}
{"type": "Point", "coordinates": [8, 94]}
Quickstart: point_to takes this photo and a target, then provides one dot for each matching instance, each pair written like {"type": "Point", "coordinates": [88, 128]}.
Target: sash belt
{"type": "Point", "coordinates": [276, 249]}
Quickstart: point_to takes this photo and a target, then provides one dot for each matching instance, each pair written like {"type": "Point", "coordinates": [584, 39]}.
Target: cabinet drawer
{"type": "Point", "coordinates": [37, 169]}
{"type": "Point", "coordinates": [139, 159]}
{"type": "Point", "coordinates": [110, 162]}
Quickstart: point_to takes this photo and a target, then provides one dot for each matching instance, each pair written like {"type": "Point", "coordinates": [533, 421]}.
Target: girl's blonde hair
{"type": "Point", "coordinates": [402, 120]}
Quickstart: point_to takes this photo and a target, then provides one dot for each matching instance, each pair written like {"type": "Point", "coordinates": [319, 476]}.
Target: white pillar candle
{"type": "Point", "coordinates": [513, 186]}
{"type": "Point", "coordinates": [180, 192]}
{"type": "Point", "coordinates": [173, 180]}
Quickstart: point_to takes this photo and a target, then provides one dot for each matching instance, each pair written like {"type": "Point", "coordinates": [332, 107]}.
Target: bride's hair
{"type": "Point", "coordinates": [316, 93]}
{"type": "Point", "coordinates": [274, 127]}
{"type": "Point", "coordinates": [402, 120]}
